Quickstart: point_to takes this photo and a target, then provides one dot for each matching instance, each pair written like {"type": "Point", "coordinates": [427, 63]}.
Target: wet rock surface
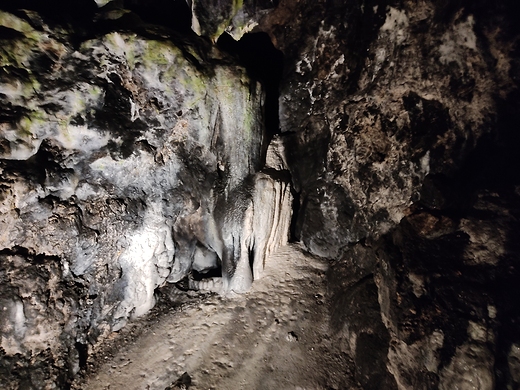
{"type": "Point", "coordinates": [142, 147]}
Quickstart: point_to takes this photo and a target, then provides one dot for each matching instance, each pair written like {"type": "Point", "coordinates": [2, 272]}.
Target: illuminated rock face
{"type": "Point", "coordinates": [121, 161]}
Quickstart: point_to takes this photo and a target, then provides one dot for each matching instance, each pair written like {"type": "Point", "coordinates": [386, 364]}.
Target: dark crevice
{"type": "Point", "coordinates": [173, 14]}
{"type": "Point", "coordinates": [251, 258]}
{"type": "Point", "coordinates": [83, 20]}
{"type": "Point", "coordinates": [9, 33]}
{"type": "Point", "coordinates": [38, 166]}
{"type": "Point", "coordinates": [61, 12]}
{"type": "Point", "coordinates": [34, 258]}
{"type": "Point", "coordinates": [82, 350]}
{"type": "Point", "coordinates": [212, 273]}
{"type": "Point", "coordinates": [294, 232]}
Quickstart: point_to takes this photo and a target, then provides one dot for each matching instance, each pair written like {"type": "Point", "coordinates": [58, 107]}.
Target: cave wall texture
{"type": "Point", "coordinates": [136, 147]}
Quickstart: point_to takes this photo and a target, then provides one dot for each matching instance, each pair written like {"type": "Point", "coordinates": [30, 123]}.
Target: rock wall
{"type": "Point", "coordinates": [376, 97]}
{"type": "Point", "coordinates": [127, 159]}
{"type": "Point", "coordinates": [402, 120]}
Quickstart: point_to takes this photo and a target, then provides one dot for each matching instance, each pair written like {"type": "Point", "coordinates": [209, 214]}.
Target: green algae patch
{"type": "Point", "coordinates": [157, 53]}
{"type": "Point", "coordinates": [194, 82]}
{"type": "Point", "coordinates": [15, 23]}
{"type": "Point", "coordinates": [28, 126]}
{"type": "Point", "coordinates": [17, 52]}
{"type": "Point", "coordinates": [95, 92]}
{"type": "Point", "coordinates": [158, 59]}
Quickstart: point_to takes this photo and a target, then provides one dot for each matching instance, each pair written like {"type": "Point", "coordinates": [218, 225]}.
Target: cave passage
{"type": "Point", "coordinates": [212, 273]}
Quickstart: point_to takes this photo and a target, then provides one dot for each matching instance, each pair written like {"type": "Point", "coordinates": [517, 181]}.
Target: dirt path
{"type": "Point", "coordinates": [274, 337]}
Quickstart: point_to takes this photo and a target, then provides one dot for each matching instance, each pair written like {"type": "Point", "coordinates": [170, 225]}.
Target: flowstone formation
{"type": "Point", "coordinates": [135, 151]}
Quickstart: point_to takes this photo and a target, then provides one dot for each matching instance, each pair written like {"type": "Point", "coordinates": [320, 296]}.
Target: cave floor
{"type": "Point", "coordinates": [276, 336]}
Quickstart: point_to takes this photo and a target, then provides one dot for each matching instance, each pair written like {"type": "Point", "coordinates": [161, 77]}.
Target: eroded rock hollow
{"type": "Point", "coordinates": [153, 143]}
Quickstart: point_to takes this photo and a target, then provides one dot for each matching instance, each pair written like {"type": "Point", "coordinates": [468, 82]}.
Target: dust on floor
{"type": "Point", "coordinates": [276, 336]}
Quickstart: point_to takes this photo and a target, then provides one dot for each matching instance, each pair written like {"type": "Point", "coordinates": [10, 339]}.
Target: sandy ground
{"type": "Point", "coordinates": [273, 337]}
